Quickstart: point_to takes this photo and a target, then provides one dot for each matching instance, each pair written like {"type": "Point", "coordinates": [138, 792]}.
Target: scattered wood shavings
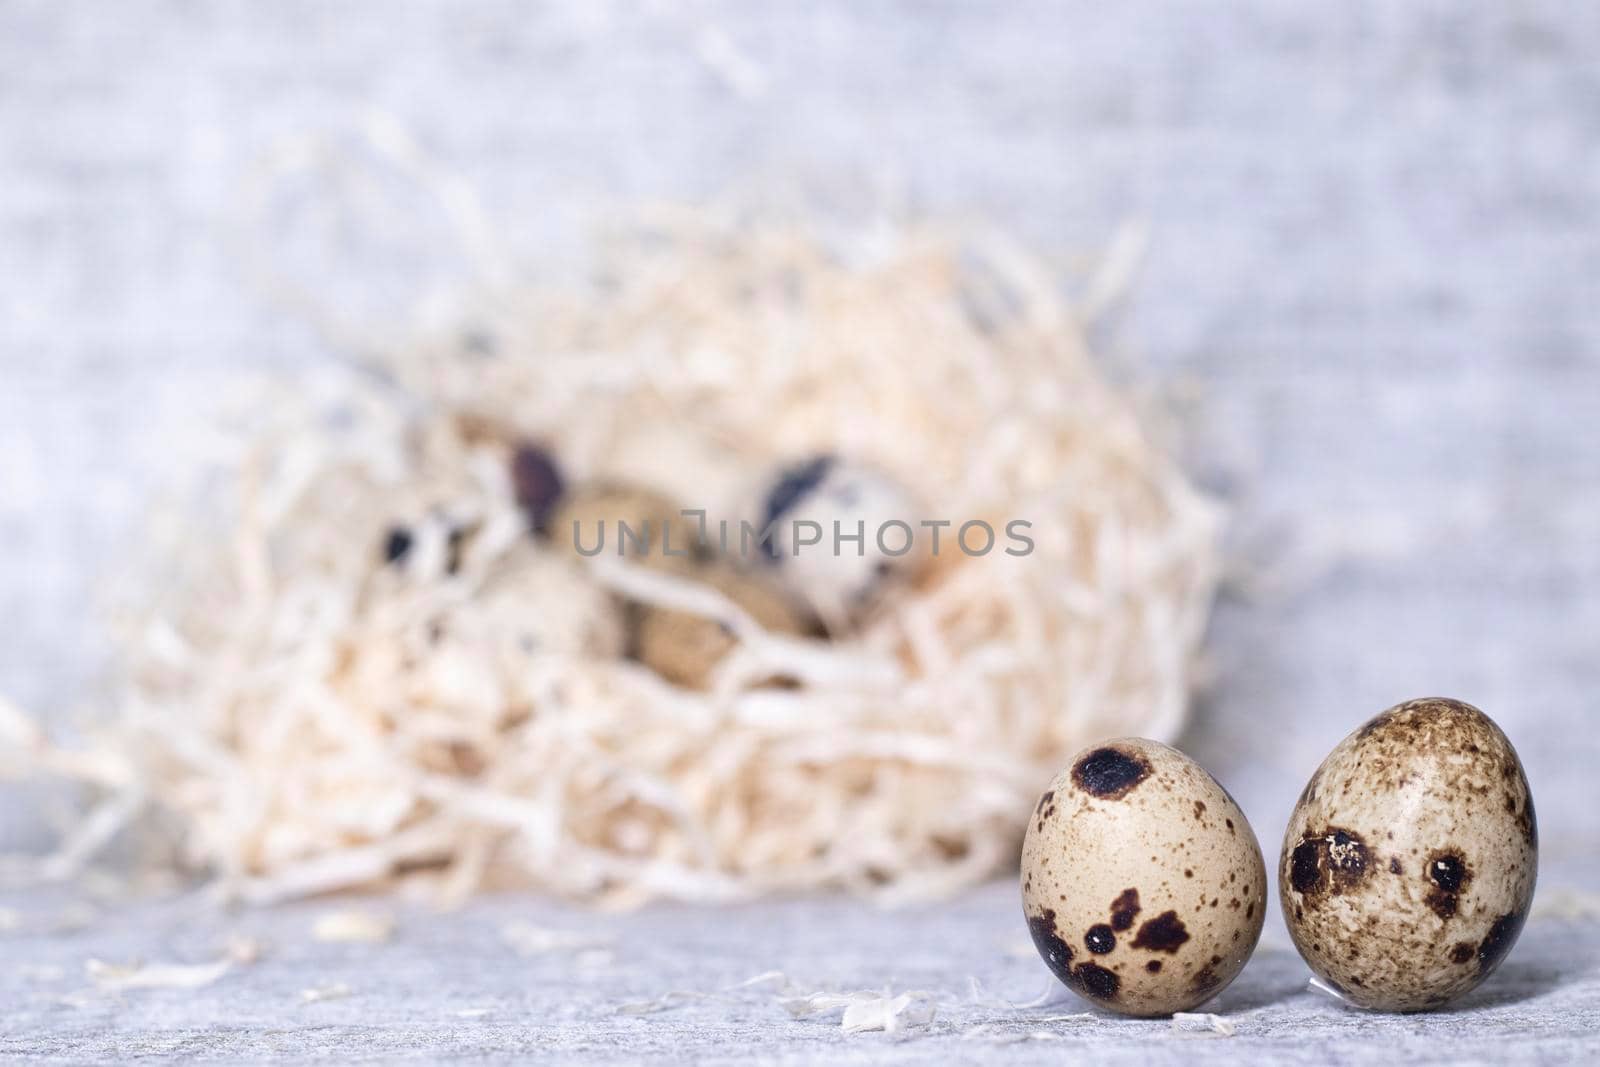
{"type": "Point", "coordinates": [121, 977]}
{"type": "Point", "coordinates": [353, 925]}
{"type": "Point", "coordinates": [329, 991]}
{"type": "Point", "coordinates": [1201, 1024]}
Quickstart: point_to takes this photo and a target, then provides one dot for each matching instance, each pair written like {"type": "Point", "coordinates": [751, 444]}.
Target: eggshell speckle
{"type": "Point", "coordinates": [1410, 859]}
{"type": "Point", "coordinates": [1142, 882]}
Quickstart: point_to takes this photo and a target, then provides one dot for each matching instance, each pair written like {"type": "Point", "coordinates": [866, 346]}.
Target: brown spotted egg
{"type": "Point", "coordinates": [1142, 882]}
{"type": "Point", "coordinates": [1409, 861]}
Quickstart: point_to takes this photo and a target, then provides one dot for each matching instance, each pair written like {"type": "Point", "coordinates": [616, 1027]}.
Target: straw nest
{"type": "Point", "coordinates": [311, 716]}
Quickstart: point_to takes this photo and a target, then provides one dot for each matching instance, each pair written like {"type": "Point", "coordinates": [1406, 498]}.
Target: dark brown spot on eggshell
{"type": "Point", "coordinates": [1448, 871]}
{"type": "Point", "coordinates": [1332, 861]}
{"type": "Point", "coordinates": [1057, 953]}
{"type": "Point", "coordinates": [1099, 939]}
{"type": "Point", "coordinates": [1205, 978]}
{"type": "Point", "coordinates": [1502, 935]}
{"type": "Point", "coordinates": [1124, 909]}
{"type": "Point", "coordinates": [1164, 933]}
{"type": "Point", "coordinates": [1449, 874]}
{"type": "Point", "coordinates": [1304, 872]}
{"type": "Point", "coordinates": [1463, 952]}
{"type": "Point", "coordinates": [1110, 773]}
{"type": "Point", "coordinates": [1096, 981]}
{"type": "Point", "coordinates": [1154, 966]}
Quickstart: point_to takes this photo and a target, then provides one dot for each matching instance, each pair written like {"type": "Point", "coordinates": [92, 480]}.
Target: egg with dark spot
{"type": "Point", "coordinates": [1142, 882]}
{"type": "Point", "coordinates": [842, 535]}
{"type": "Point", "coordinates": [1410, 860]}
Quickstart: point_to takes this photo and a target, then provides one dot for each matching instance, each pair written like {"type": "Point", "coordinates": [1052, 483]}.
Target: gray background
{"type": "Point", "coordinates": [1370, 291]}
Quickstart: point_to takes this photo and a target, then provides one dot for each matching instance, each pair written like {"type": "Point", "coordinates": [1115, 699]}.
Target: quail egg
{"type": "Point", "coordinates": [1142, 882]}
{"type": "Point", "coordinates": [623, 520]}
{"type": "Point", "coordinates": [841, 534]}
{"type": "Point", "coordinates": [685, 648]}
{"type": "Point", "coordinates": [1410, 859]}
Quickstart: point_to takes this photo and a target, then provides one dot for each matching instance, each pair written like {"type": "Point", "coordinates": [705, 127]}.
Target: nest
{"type": "Point", "coordinates": [313, 718]}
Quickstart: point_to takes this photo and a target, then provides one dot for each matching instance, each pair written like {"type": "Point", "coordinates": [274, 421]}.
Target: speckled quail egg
{"type": "Point", "coordinates": [685, 647]}
{"type": "Point", "coordinates": [537, 603]}
{"type": "Point", "coordinates": [1142, 882]}
{"type": "Point", "coordinates": [839, 576]}
{"type": "Point", "coordinates": [1410, 859]}
{"type": "Point", "coordinates": [613, 519]}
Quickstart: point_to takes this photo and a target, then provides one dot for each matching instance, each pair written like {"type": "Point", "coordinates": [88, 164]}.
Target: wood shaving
{"type": "Point", "coordinates": [314, 719]}
{"type": "Point", "coordinates": [1201, 1024]}
{"type": "Point", "coordinates": [1317, 985]}
{"type": "Point", "coordinates": [118, 978]}
{"type": "Point", "coordinates": [353, 925]}
{"type": "Point", "coordinates": [329, 991]}
{"type": "Point", "coordinates": [866, 1011]}
{"type": "Point", "coordinates": [665, 1002]}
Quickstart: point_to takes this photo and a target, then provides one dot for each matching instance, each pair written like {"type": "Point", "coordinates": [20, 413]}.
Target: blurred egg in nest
{"type": "Point", "coordinates": [614, 519]}
{"type": "Point", "coordinates": [1409, 862]}
{"type": "Point", "coordinates": [472, 654]}
{"type": "Point", "coordinates": [841, 535]}
{"type": "Point", "coordinates": [1142, 883]}
{"type": "Point", "coordinates": [685, 647]}
{"type": "Point", "coordinates": [535, 603]}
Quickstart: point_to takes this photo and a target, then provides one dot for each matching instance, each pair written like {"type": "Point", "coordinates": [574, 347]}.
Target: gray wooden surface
{"type": "Point", "coordinates": [1371, 288]}
{"type": "Point", "coordinates": [670, 985]}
